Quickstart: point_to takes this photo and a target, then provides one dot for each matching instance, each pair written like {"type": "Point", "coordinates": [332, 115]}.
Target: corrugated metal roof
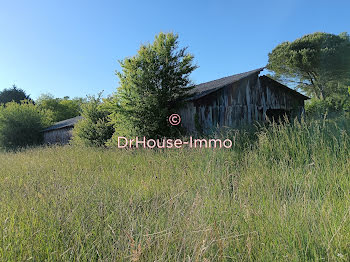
{"type": "Point", "coordinates": [63, 124]}
{"type": "Point", "coordinates": [211, 86]}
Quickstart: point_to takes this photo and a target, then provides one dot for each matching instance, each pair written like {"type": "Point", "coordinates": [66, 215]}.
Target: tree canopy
{"type": "Point", "coordinates": [152, 85]}
{"type": "Point", "coordinates": [13, 94]}
{"type": "Point", "coordinates": [60, 108]}
{"type": "Point", "coordinates": [318, 63]}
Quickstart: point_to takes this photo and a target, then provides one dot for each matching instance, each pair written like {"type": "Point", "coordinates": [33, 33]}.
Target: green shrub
{"type": "Point", "coordinates": [95, 128]}
{"type": "Point", "coordinates": [21, 124]}
{"type": "Point", "coordinates": [336, 104]}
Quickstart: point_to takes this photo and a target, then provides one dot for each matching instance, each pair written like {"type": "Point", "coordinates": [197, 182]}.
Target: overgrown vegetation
{"type": "Point", "coordinates": [22, 119]}
{"type": "Point", "coordinates": [283, 198]}
{"type": "Point", "coordinates": [95, 129]}
{"type": "Point", "coordinates": [60, 108]}
{"type": "Point", "coordinates": [21, 124]}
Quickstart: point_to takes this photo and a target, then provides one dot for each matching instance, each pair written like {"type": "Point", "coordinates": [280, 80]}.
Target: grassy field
{"type": "Point", "coordinates": [283, 196]}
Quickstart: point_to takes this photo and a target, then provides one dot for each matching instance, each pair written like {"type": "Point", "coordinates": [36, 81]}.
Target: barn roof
{"type": "Point", "coordinates": [64, 124]}
{"type": "Point", "coordinates": [211, 86]}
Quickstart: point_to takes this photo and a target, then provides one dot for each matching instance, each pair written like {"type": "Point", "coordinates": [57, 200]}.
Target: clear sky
{"type": "Point", "coordinates": [72, 47]}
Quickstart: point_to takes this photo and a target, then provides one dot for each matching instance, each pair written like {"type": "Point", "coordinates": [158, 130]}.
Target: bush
{"type": "Point", "coordinates": [331, 106]}
{"type": "Point", "coordinates": [21, 124]}
{"type": "Point", "coordinates": [95, 128]}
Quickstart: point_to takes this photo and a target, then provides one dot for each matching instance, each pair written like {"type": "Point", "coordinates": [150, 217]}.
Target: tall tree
{"type": "Point", "coordinates": [13, 94]}
{"type": "Point", "coordinates": [153, 83]}
{"type": "Point", "coordinates": [317, 62]}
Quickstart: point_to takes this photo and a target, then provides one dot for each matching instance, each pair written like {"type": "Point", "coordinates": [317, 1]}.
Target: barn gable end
{"type": "Point", "coordinates": [238, 100]}
{"type": "Point", "coordinates": [60, 132]}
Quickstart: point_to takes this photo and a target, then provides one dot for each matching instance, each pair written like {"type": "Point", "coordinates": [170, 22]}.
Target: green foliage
{"type": "Point", "coordinates": [318, 108]}
{"type": "Point", "coordinates": [284, 198]}
{"type": "Point", "coordinates": [13, 94]}
{"type": "Point", "coordinates": [21, 124]}
{"type": "Point", "coordinates": [317, 62]}
{"type": "Point", "coordinates": [95, 128]}
{"type": "Point", "coordinates": [153, 85]}
{"type": "Point", "coordinates": [336, 104]}
{"type": "Point", "coordinates": [61, 108]}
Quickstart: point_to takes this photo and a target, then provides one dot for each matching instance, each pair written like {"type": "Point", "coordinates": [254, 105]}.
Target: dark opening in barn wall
{"type": "Point", "coordinates": [278, 115]}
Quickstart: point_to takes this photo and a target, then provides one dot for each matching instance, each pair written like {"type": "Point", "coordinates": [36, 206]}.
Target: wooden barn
{"type": "Point", "coordinates": [237, 100]}
{"type": "Point", "coordinates": [60, 132]}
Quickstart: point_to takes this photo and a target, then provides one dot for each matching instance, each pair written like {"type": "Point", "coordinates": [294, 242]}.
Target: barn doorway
{"type": "Point", "coordinates": [278, 115]}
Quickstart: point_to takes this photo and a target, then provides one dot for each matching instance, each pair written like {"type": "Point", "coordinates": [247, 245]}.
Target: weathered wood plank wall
{"type": "Point", "coordinates": [242, 102]}
{"type": "Point", "coordinates": [58, 136]}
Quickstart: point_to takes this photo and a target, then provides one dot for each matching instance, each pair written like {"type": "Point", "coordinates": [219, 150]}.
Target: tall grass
{"type": "Point", "coordinates": [286, 197]}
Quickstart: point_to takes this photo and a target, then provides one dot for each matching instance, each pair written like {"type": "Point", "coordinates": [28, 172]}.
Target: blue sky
{"type": "Point", "coordinates": [72, 48]}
